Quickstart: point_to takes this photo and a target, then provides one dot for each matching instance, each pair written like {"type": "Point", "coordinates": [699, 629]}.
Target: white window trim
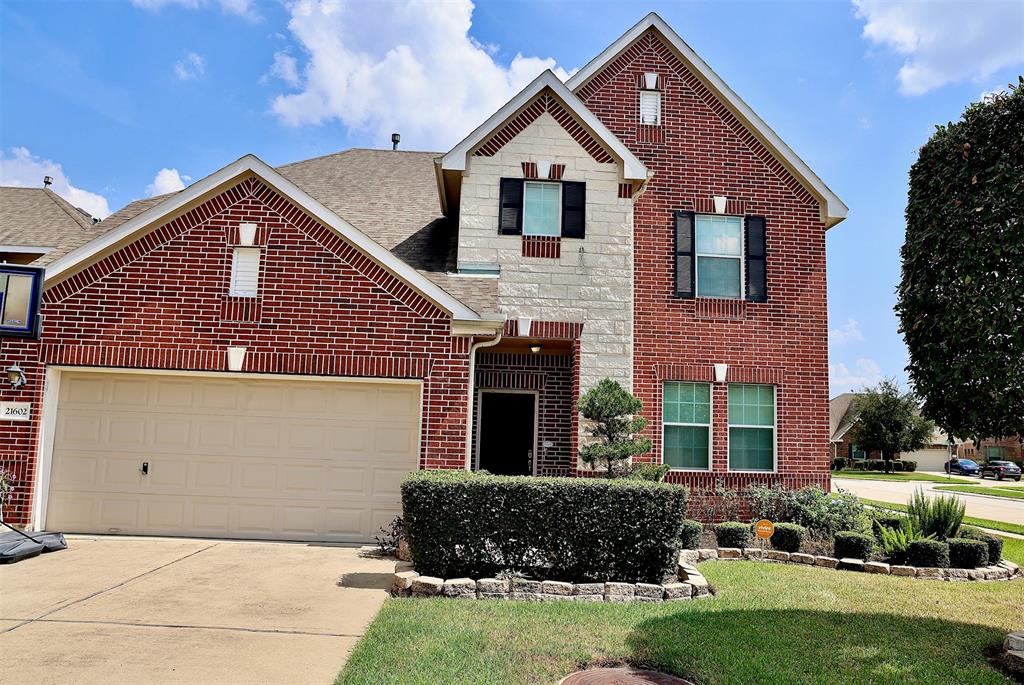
{"type": "Point", "coordinates": [741, 257]}
{"type": "Point", "coordinates": [640, 107]}
{"type": "Point", "coordinates": [708, 425]}
{"type": "Point", "coordinates": [775, 432]}
{"type": "Point", "coordinates": [234, 265]}
{"type": "Point", "coordinates": [558, 232]}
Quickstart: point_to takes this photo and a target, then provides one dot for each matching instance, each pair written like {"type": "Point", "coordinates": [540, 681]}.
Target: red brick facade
{"type": "Point", "coordinates": [325, 309]}
{"type": "Point", "coordinates": [703, 151]}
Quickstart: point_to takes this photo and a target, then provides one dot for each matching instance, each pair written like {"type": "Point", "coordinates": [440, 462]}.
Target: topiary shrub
{"type": "Point", "coordinates": [466, 524]}
{"type": "Point", "coordinates": [788, 537]}
{"type": "Point", "coordinates": [966, 553]}
{"type": "Point", "coordinates": [928, 553]}
{"type": "Point", "coordinates": [733, 534]}
{"type": "Point", "coordinates": [995, 543]}
{"type": "Point", "coordinates": [689, 537]}
{"type": "Point", "coordinates": [647, 471]}
{"type": "Point", "coordinates": [909, 465]}
{"type": "Point", "coordinates": [851, 544]}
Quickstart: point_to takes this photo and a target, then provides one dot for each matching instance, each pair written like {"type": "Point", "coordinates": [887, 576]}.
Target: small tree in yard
{"type": "Point", "coordinates": [888, 421]}
{"type": "Point", "coordinates": [612, 410]}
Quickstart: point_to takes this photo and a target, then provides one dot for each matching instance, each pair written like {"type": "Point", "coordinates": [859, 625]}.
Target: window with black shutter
{"type": "Point", "coordinates": [574, 209]}
{"type": "Point", "coordinates": [510, 218]}
{"type": "Point", "coordinates": [684, 253]}
{"type": "Point", "coordinates": [756, 268]}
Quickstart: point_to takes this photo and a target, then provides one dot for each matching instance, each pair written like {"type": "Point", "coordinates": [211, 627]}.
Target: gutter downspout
{"type": "Point", "coordinates": [472, 391]}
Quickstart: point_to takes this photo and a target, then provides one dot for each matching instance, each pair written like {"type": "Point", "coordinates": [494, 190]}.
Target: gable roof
{"type": "Point", "coordinates": [840, 417]}
{"type": "Point", "coordinates": [833, 209]}
{"type": "Point", "coordinates": [40, 218]}
{"type": "Point", "coordinates": [457, 158]}
{"type": "Point", "coordinates": [151, 211]}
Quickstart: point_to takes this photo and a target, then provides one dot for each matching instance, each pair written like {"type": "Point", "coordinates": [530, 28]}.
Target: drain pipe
{"type": "Point", "coordinates": [472, 392]}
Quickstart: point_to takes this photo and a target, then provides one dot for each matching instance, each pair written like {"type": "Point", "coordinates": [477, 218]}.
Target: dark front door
{"type": "Point", "coordinates": [506, 433]}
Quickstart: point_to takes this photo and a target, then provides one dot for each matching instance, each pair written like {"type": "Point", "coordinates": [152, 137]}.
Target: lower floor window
{"type": "Point", "coordinates": [686, 420]}
{"type": "Point", "coordinates": [751, 427]}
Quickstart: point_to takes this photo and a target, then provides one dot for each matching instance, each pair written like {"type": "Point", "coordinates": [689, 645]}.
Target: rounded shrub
{"type": "Point", "coordinates": [732, 534]}
{"type": "Point", "coordinates": [689, 537]}
{"type": "Point", "coordinates": [965, 553]}
{"type": "Point", "coordinates": [788, 537]}
{"type": "Point", "coordinates": [853, 545]}
{"type": "Point", "coordinates": [838, 463]}
{"type": "Point", "coordinates": [928, 553]}
{"type": "Point", "coordinates": [995, 543]}
{"type": "Point", "coordinates": [886, 519]}
{"type": "Point", "coordinates": [909, 465]}
{"type": "Point", "coordinates": [897, 466]}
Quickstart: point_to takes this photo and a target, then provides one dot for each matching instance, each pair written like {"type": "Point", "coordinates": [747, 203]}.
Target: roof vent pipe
{"type": "Point", "coordinates": [47, 181]}
{"type": "Point", "coordinates": [396, 138]}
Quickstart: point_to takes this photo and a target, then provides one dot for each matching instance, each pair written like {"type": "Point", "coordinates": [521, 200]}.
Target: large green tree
{"type": "Point", "coordinates": [888, 422]}
{"type": "Point", "coordinates": [961, 297]}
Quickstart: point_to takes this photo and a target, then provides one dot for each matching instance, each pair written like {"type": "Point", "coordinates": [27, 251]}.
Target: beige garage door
{"type": "Point", "coordinates": [245, 458]}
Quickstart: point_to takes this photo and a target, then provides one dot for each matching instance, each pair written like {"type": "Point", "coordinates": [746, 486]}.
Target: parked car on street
{"type": "Point", "coordinates": [965, 467]}
{"type": "Point", "coordinates": [1000, 470]}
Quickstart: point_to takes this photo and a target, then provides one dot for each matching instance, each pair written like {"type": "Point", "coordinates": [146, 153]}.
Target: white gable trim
{"type": "Point", "coordinates": [457, 158]}
{"type": "Point", "coordinates": [63, 267]}
{"type": "Point", "coordinates": [833, 209]}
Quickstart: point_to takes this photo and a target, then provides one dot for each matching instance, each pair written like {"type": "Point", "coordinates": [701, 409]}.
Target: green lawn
{"type": "Point", "coordinates": [1009, 493]}
{"type": "Point", "coordinates": [771, 623]}
{"type": "Point", "coordinates": [912, 476]}
{"type": "Point", "coordinates": [969, 520]}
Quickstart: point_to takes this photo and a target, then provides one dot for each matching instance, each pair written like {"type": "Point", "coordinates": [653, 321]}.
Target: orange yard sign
{"type": "Point", "coordinates": [764, 529]}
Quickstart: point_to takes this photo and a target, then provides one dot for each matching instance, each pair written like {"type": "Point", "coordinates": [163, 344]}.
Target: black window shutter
{"type": "Point", "coordinates": [510, 202]}
{"type": "Point", "coordinates": [757, 274]}
{"type": "Point", "coordinates": [685, 251]}
{"type": "Point", "coordinates": [574, 209]}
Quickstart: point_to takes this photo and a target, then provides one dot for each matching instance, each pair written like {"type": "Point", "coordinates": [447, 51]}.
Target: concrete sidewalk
{"type": "Point", "coordinates": [141, 610]}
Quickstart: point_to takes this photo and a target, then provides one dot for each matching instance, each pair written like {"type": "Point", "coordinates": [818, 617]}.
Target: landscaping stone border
{"type": "Point", "coordinates": [1004, 570]}
{"type": "Point", "coordinates": [409, 583]}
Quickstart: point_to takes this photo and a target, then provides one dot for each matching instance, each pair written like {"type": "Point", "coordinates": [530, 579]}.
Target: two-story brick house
{"type": "Point", "coordinates": [265, 353]}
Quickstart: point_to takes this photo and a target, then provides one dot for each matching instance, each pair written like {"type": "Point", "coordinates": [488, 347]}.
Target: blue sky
{"type": "Point", "coordinates": [120, 100]}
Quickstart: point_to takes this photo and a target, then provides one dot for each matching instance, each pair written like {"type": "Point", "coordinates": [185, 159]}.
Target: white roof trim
{"type": "Point", "coordinates": [251, 163]}
{"type": "Point", "coordinates": [457, 158]}
{"type": "Point", "coordinates": [833, 209]}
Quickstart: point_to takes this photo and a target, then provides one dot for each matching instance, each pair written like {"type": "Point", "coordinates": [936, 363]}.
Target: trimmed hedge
{"type": "Point", "coordinates": [886, 519]}
{"type": "Point", "coordinates": [733, 534]}
{"type": "Point", "coordinates": [573, 529]}
{"type": "Point", "coordinates": [909, 465]}
{"type": "Point", "coordinates": [928, 553]}
{"type": "Point", "coordinates": [875, 464]}
{"type": "Point", "coordinates": [838, 463]}
{"type": "Point", "coordinates": [995, 543]}
{"type": "Point", "coordinates": [689, 536]}
{"type": "Point", "coordinates": [788, 537]}
{"type": "Point", "coordinates": [848, 543]}
{"type": "Point", "coordinates": [966, 553]}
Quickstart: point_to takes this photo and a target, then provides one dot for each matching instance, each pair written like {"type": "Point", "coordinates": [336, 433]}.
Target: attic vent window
{"type": "Point", "coordinates": [245, 272]}
{"type": "Point", "coordinates": [650, 107]}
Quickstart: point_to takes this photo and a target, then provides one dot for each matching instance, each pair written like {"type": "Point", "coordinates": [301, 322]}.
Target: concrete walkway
{"type": "Point", "coordinates": [142, 610]}
{"type": "Point", "coordinates": [1008, 510]}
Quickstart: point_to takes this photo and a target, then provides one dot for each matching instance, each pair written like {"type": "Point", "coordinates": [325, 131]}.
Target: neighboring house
{"type": "Point", "coordinates": [38, 226]}
{"type": "Point", "coordinates": [266, 353]}
{"type": "Point", "coordinates": [842, 417]}
{"type": "Point", "coordinates": [1008, 448]}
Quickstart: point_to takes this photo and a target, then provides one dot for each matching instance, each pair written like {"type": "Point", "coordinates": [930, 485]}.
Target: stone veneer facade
{"type": "Point", "coordinates": [591, 281]}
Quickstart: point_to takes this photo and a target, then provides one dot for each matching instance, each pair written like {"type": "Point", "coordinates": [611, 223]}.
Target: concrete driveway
{"type": "Point", "coordinates": [143, 610]}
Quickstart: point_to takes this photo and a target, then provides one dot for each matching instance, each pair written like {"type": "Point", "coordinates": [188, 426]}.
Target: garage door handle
{"type": "Point", "coordinates": [145, 468]}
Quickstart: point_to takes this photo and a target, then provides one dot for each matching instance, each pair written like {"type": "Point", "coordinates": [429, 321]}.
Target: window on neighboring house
{"type": "Point", "coordinates": [719, 256]}
{"type": "Point", "coordinates": [686, 425]}
{"type": "Point", "coordinates": [857, 453]}
{"type": "Point", "coordinates": [994, 452]}
{"type": "Point", "coordinates": [542, 208]}
{"type": "Point", "coordinates": [650, 107]}
{"type": "Point", "coordinates": [751, 427]}
{"type": "Point", "coordinates": [245, 271]}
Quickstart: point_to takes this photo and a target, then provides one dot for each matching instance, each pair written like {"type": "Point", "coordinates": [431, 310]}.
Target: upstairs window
{"type": "Point", "coordinates": [719, 256]}
{"type": "Point", "coordinates": [650, 107]}
{"type": "Point", "coordinates": [542, 208]}
{"type": "Point", "coordinates": [245, 272]}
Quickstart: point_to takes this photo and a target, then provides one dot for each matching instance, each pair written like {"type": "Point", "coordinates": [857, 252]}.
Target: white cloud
{"type": "Point", "coordinates": [945, 42]}
{"type": "Point", "coordinates": [847, 333]}
{"type": "Point", "coordinates": [285, 67]}
{"type": "Point", "coordinates": [166, 181]}
{"type": "Point", "coordinates": [242, 8]}
{"type": "Point", "coordinates": [865, 373]}
{"type": "Point", "coordinates": [25, 170]}
{"type": "Point", "coordinates": [410, 67]}
{"type": "Point", "coordinates": [189, 67]}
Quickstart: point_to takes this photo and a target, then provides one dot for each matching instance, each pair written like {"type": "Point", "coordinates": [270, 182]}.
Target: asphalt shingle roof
{"type": "Point", "coordinates": [39, 217]}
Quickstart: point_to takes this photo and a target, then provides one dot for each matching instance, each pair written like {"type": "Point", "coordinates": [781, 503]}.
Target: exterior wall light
{"type": "Point", "coordinates": [16, 376]}
{"type": "Point", "coordinates": [536, 348]}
